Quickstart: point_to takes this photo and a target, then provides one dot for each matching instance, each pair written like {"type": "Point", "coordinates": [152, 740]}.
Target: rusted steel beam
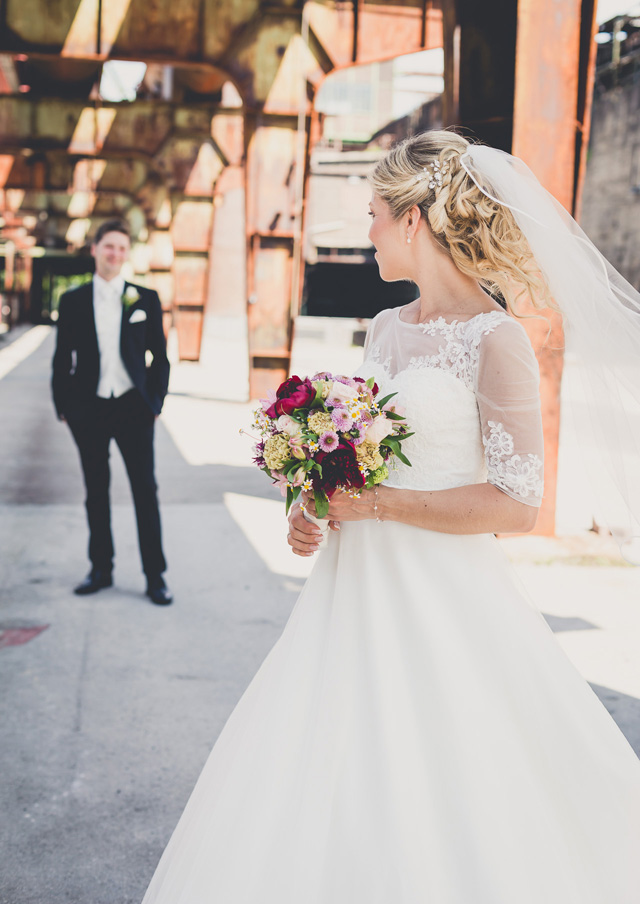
{"type": "Point", "coordinates": [586, 83]}
{"type": "Point", "coordinates": [551, 65]}
{"type": "Point", "coordinates": [137, 130]}
{"type": "Point", "coordinates": [227, 290]}
{"type": "Point", "coordinates": [270, 156]}
{"type": "Point", "coordinates": [191, 238]}
{"type": "Point", "coordinates": [370, 32]}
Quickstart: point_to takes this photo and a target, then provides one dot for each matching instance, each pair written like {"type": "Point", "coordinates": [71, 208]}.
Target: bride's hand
{"type": "Point", "coordinates": [303, 536]}
{"type": "Point", "coordinates": [343, 507]}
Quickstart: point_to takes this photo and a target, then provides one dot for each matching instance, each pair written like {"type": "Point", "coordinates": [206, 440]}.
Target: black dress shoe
{"type": "Point", "coordinates": [161, 596]}
{"type": "Point", "coordinates": [93, 582]}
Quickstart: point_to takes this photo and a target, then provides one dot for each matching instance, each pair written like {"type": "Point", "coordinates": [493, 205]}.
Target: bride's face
{"type": "Point", "coordinates": [388, 236]}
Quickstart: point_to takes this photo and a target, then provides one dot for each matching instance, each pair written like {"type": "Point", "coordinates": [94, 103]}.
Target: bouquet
{"type": "Point", "coordinates": [328, 433]}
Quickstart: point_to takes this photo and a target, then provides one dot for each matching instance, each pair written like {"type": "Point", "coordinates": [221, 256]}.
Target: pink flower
{"type": "Point", "coordinates": [287, 424]}
{"type": "Point", "coordinates": [329, 441]}
{"type": "Point", "coordinates": [343, 391]}
{"type": "Point", "coordinates": [380, 428]}
{"type": "Point", "coordinates": [297, 477]}
{"type": "Point", "coordinates": [341, 418]}
{"type": "Point", "coordinates": [397, 409]}
{"type": "Point", "coordinates": [280, 481]}
{"type": "Point", "coordinates": [357, 434]}
{"type": "Point", "coordinates": [334, 402]}
{"type": "Point", "coordinates": [296, 444]}
{"type": "Point", "coordinates": [269, 401]}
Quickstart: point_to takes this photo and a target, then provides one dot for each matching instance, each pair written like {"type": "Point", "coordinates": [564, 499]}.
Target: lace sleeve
{"type": "Point", "coordinates": [370, 347]}
{"type": "Point", "coordinates": [508, 398]}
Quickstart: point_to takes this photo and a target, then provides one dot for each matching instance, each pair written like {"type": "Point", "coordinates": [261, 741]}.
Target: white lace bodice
{"type": "Point", "coordinates": [470, 390]}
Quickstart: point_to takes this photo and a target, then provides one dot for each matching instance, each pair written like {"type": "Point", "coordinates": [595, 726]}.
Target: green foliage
{"type": "Point", "coordinates": [322, 503]}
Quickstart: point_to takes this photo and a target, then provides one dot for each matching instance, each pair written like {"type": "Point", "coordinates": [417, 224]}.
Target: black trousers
{"type": "Point", "coordinates": [130, 421]}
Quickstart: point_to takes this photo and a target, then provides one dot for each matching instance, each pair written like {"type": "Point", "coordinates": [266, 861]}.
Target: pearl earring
{"type": "Point", "coordinates": [408, 239]}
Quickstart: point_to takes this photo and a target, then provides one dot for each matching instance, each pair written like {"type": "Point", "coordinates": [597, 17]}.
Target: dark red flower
{"type": "Point", "coordinates": [339, 468]}
{"type": "Point", "coordinates": [293, 393]}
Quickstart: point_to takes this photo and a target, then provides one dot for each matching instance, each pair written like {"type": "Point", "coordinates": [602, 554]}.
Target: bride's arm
{"type": "Point", "coordinates": [477, 509]}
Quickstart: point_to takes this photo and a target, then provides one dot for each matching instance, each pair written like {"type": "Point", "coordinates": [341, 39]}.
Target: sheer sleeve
{"type": "Point", "coordinates": [369, 344]}
{"type": "Point", "coordinates": [508, 395]}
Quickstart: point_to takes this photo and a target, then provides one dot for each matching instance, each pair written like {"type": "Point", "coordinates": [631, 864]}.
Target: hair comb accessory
{"type": "Point", "coordinates": [434, 173]}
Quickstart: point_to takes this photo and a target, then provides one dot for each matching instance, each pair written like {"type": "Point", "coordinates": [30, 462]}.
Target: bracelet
{"type": "Point", "coordinates": [375, 504]}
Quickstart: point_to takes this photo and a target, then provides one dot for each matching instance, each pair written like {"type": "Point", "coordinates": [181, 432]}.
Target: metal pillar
{"type": "Point", "coordinates": [270, 143]}
{"type": "Point", "coordinates": [550, 133]}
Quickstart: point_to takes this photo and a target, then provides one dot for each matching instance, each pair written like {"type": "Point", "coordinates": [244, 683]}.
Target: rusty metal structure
{"type": "Point", "coordinates": [228, 101]}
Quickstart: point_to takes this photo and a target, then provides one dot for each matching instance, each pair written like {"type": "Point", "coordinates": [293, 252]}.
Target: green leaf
{"type": "Point", "coordinates": [391, 442]}
{"type": "Point", "coordinates": [382, 402]}
{"type": "Point", "coordinates": [322, 503]}
{"type": "Point", "coordinates": [290, 498]}
{"type": "Point", "coordinates": [392, 416]}
{"type": "Point", "coordinates": [370, 382]}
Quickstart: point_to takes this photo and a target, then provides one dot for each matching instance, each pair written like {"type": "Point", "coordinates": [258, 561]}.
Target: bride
{"type": "Point", "coordinates": [416, 736]}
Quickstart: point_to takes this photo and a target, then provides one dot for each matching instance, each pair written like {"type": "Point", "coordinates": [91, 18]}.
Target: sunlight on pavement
{"type": "Point", "coordinates": [207, 432]}
{"type": "Point", "coordinates": [19, 350]}
{"type": "Point", "coordinates": [263, 523]}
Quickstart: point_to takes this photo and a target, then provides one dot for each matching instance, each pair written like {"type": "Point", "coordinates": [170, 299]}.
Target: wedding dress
{"type": "Point", "coordinates": [417, 736]}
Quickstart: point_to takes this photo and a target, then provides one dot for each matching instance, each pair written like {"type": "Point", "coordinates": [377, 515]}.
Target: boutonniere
{"type": "Point", "coordinates": [129, 297]}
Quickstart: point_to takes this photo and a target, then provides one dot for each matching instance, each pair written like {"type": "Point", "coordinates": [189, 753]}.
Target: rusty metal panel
{"type": "Point", "coordinates": [160, 247]}
{"type": "Point", "coordinates": [29, 21]}
{"type": "Point", "coordinates": [204, 172]}
{"type": "Point", "coordinates": [271, 155]}
{"type": "Point", "coordinates": [544, 136]}
{"type": "Point", "coordinates": [227, 294]}
{"type": "Point", "coordinates": [190, 274]}
{"type": "Point", "coordinates": [546, 91]}
{"type": "Point", "coordinates": [227, 131]}
{"type": "Point", "coordinates": [188, 324]}
{"type": "Point", "coordinates": [382, 30]}
{"type": "Point", "coordinates": [191, 226]}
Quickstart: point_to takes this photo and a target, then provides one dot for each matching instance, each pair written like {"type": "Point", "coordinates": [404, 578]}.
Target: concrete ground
{"type": "Point", "coordinates": [110, 705]}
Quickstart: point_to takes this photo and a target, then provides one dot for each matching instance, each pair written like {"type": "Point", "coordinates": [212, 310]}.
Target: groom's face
{"type": "Point", "coordinates": [110, 253]}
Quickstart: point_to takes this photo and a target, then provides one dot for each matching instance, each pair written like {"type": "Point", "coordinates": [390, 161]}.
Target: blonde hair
{"type": "Point", "coordinates": [480, 235]}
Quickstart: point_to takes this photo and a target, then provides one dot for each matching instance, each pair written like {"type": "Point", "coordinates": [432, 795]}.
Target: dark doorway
{"type": "Point", "coordinates": [351, 290]}
{"type": "Point", "coordinates": [53, 275]}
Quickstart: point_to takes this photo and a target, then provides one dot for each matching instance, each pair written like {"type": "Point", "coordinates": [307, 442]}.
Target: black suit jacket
{"type": "Point", "coordinates": [76, 362]}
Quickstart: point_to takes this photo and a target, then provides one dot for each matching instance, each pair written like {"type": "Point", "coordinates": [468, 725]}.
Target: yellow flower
{"type": "Point", "coordinates": [368, 455]}
{"type": "Point", "coordinates": [324, 386]}
{"type": "Point", "coordinates": [320, 422]}
{"type": "Point", "coordinates": [276, 451]}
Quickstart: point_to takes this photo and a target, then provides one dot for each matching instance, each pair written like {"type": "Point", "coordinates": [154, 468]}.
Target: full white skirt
{"type": "Point", "coordinates": [416, 736]}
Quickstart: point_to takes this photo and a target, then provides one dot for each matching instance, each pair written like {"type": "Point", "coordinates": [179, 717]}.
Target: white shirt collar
{"type": "Point", "coordinates": [113, 286]}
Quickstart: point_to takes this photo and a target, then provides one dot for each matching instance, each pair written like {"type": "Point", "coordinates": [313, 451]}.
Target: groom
{"type": "Point", "coordinates": [104, 389]}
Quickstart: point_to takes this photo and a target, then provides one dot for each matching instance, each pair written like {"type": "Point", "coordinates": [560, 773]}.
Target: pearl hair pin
{"type": "Point", "coordinates": [433, 172]}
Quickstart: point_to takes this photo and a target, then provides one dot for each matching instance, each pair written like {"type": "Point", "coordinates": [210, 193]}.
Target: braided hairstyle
{"type": "Point", "coordinates": [481, 236]}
